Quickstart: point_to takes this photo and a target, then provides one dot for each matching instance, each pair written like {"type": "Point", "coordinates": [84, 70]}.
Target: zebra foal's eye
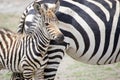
{"type": "Point", "coordinates": [46, 24]}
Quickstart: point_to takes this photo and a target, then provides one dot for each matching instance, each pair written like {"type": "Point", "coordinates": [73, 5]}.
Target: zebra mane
{"type": "Point", "coordinates": [29, 11]}
{"type": "Point", "coordinates": [34, 23]}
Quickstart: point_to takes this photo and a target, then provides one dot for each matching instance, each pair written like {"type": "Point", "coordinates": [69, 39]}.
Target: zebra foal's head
{"type": "Point", "coordinates": [50, 19]}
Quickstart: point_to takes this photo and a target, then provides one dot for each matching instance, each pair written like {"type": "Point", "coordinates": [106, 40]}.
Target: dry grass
{"type": "Point", "coordinates": [72, 70]}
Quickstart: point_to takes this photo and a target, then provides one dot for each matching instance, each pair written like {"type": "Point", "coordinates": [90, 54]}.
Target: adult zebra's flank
{"type": "Point", "coordinates": [26, 53]}
{"type": "Point", "coordinates": [91, 29]}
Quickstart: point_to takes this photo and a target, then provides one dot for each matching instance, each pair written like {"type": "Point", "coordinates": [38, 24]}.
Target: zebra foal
{"type": "Point", "coordinates": [26, 53]}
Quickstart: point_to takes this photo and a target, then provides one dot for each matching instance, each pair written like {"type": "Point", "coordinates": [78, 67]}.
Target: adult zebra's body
{"type": "Point", "coordinates": [26, 53]}
{"type": "Point", "coordinates": [97, 23]}
{"type": "Point", "coordinates": [92, 30]}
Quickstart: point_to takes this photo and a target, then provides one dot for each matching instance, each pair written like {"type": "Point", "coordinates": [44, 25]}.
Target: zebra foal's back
{"type": "Point", "coordinates": [8, 40]}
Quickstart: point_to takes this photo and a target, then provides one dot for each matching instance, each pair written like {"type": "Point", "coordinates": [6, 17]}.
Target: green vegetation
{"type": "Point", "coordinates": [9, 21]}
{"type": "Point", "coordinates": [5, 75]}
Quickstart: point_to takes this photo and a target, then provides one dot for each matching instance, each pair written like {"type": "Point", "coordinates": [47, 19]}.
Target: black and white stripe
{"type": "Point", "coordinates": [97, 25]}
{"type": "Point", "coordinates": [92, 32]}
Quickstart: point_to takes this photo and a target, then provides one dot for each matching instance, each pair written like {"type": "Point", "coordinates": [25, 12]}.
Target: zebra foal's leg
{"type": "Point", "coordinates": [39, 74]}
{"type": "Point", "coordinates": [22, 76]}
{"type": "Point", "coordinates": [17, 76]}
{"type": "Point", "coordinates": [1, 66]}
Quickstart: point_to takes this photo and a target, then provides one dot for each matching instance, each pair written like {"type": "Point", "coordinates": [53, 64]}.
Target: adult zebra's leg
{"type": "Point", "coordinates": [52, 66]}
{"type": "Point", "coordinates": [55, 54]}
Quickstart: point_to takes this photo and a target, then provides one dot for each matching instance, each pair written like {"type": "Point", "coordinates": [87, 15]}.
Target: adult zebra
{"type": "Point", "coordinates": [91, 29]}
{"type": "Point", "coordinates": [26, 53]}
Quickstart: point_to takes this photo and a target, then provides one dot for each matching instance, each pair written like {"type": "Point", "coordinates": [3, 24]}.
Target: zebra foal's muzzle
{"type": "Point", "coordinates": [54, 32]}
{"type": "Point", "coordinates": [59, 38]}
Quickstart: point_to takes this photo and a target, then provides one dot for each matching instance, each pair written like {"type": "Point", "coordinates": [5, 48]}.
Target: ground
{"type": "Point", "coordinates": [10, 12]}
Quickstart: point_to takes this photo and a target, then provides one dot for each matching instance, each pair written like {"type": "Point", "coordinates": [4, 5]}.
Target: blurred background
{"type": "Point", "coordinates": [10, 12]}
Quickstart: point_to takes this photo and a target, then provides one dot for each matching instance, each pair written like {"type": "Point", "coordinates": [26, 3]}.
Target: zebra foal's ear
{"type": "Point", "coordinates": [37, 7]}
{"type": "Point", "coordinates": [57, 5]}
{"type": "Point", "coordinates": [54, 7]}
